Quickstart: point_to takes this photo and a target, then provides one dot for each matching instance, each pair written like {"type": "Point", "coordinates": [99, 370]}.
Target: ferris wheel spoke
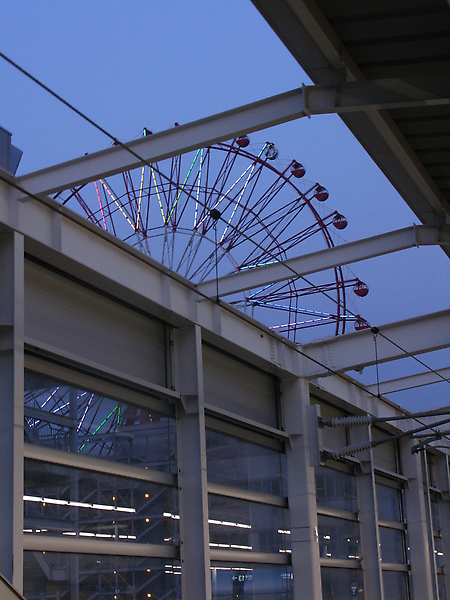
{"type": "Point", "coordinates": [191, 256]}
{"type": "Point", "coordinates": [265, 216]}
{"type": "Point", "coordinates": [241, 195]}
{"type": "Point", "coordinates": [179, 193]}
{"type": "Point", "coordinates": [131, 197]}
{"type": "Point", "coordinates": [208, 266]}
{"type": "Point", "coordinates": [189, 253]}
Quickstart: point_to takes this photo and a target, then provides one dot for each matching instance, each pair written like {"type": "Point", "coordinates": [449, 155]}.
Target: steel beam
{"type": "Point", "coordinates": [308, 35]}
{"type": "Point", "coordinates": [329, 258]}
{"type": "Point", "coordinates": [375, 95]}
{"type": "Point", "coordinates": [307, 100]}
{"type": "Point", "coordinates": [356, 350]}
{"type": "Point", "coordinates": [412, 381]}
{"type": "Point", "coordinates": [178, 140]}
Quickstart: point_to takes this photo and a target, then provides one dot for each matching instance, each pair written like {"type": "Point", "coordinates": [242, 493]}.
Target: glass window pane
{"type": "Point", "coordinates": [442, 587]}
{"type": "Point", "coordinates": [395, 585]}
{"type": "Point", "coordinates": [438, 552]}
{"type": "Point", "coordinates": [342, 584]}
{"type": "Point", "coordinates": [241, 525]}
{"type": "Point", "coordinates": [388, 503]}
{"type": "Point", "coordinates": [91, 576]}
{"type": "Point", "coordinates": [338, 538]}
{"type": "Point", "coordinates": [239, 463]}
{"type": "Point", "coordinates": [336, 489]}
{"type": "Point", "coordinates": [435, 518]}
{"type": "Point", "coordinates": [246, 580]}
{"type": "Point", "coordinates": [61, 501]}
{"type": "Point", "coordinates": [392, 545]}
{"type": "Point", "coordinates": [65, 417]}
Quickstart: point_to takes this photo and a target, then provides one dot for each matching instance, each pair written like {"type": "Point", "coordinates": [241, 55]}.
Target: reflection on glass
{"type": "Point", "coordinates": [248, 581]}
{"type": "Point", "coordinates": [388, 503]}
{"type": "Point", "coordinates": [248, 526]}
{"type": "Point", "coordinates": [62, 501]}
{"type": "Point", "coordinates": [342, 584]}
{"type": "Point", "coordinates": [336, 489]}
{"type": "Point", "coordinates": [338, 538]}
{"type": "Point", "coordinates": [87, 576]}
{"type": "Point", "coordinates": [395, 585]}
{"type": "Point", "coordinates": [392, 545]}
{"type": "Point", "coordinates": [438, 552]}
{"type": "Point", "coordinates": [64, 417]}
{"type": "Point", "coordinates": [239, 463]}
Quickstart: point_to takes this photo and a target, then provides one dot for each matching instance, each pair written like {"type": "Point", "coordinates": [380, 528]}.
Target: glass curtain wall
{"type": "Point", "coordinates": [250, 516]}
{"type": "Point", "coordinates": [339, 534]}
{"type": "Point", "coordinates": [103, 521]}
{"type": "Point", "coordinates": [392, 536]}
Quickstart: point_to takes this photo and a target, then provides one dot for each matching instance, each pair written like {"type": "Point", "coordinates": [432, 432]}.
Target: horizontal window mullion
{"type": "Point", "coordinates": [99, 465]}
{"type": "Point", "coordinates": [392, 524]}
{"type": "Point", "coordinates": [38, 543]}
{"type": "Point", "coordinates": [106, 383]}
{"type": "Point", "coordinates": [337, 512]}
{"type": "Point", "coordinates": [250, 557]}
{"type": "Point", "coordinates": [340, 563]}
{"type": "Point", "coordinates": [395, 567]}
{"type": "Point", "coordinates": [244, 494]}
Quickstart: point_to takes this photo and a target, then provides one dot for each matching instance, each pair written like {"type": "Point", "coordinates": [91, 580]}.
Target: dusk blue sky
{"type": "Point", "coordinates": [130, 65]}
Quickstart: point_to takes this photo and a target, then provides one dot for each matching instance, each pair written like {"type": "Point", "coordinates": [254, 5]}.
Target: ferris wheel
{"type": "Point", "coordinates": [230, 207]}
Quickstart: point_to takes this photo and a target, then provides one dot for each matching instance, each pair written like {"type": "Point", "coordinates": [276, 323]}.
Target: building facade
{"type": "Point", "coordinates": [157, 444]}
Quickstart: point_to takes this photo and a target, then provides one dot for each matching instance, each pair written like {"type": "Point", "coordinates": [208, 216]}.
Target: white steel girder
{"type": "Point", "coordinates": [71, 243]}
{"type": "Point", "coordinates": [304, 101]}
{"type": "Point", "coordinates": [397, 340]}
{"type": "Point", "coordinates": [327, 259]}
{"type": "Point", "coordinates": [412, 381]}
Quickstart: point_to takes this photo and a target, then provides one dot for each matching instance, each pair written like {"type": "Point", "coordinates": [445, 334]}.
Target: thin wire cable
{"type": "Point", "coordinates": [143, 161]}
{"type": "Point", "coordinates": [415, 358]}
{"type": "Point", "coordinates": [225, 306]}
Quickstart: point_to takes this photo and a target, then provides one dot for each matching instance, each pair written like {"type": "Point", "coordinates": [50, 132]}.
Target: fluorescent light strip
{"type": "Point", "coordinates": [76, 504]}
{"type": "Point", "coordinates": [99, 535]}
{"type": "Point", "coordinates": [213, 522]}
{"type": "Point", "coordinates": [171, 516]}
{"type": "Point", "coordinates": [234, 546]}
{"type": "Point", "coordinates": [284, 531]}
{"type": "Point", "coordinates": [216, 522]}
{"type": "Point", "coordinates": [230, 569]}
{"type": "Point", "coordinates": [229, 524]}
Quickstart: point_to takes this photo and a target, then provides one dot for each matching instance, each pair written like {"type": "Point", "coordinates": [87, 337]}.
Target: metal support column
{"type": "Point", "coordinates": [192, 481]}
{"type": "Point", "coordinates": [442, 469]}
{"type": "Point", "coordinates": [11, 406]}
{"type": "Point", "coordinates": [301, 492]}
{"type": "Point", "coordinates": [418, 534]}
{"type": "Point", "coordinates": [367, 504]}
{"type": "Point", "coordinates": [443, 475]}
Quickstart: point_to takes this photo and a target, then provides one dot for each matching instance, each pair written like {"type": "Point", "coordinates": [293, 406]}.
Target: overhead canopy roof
{"type": "Point", "coordinates": [360, 41]}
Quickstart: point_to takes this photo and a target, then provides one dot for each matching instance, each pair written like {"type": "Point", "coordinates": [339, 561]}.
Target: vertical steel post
{"type": "Point", "coordinates": [11, 406]}
{"type": "Point", "coordinates": [368, 521]}
{"type": "Point", "coordinates": [443, 476]}
{"type": "Point", "coordinates": [420, 538]}
{"type": "Point", "coordinates": [192, 480]}
{"type": "Point", "coordinates": [301, 491]}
